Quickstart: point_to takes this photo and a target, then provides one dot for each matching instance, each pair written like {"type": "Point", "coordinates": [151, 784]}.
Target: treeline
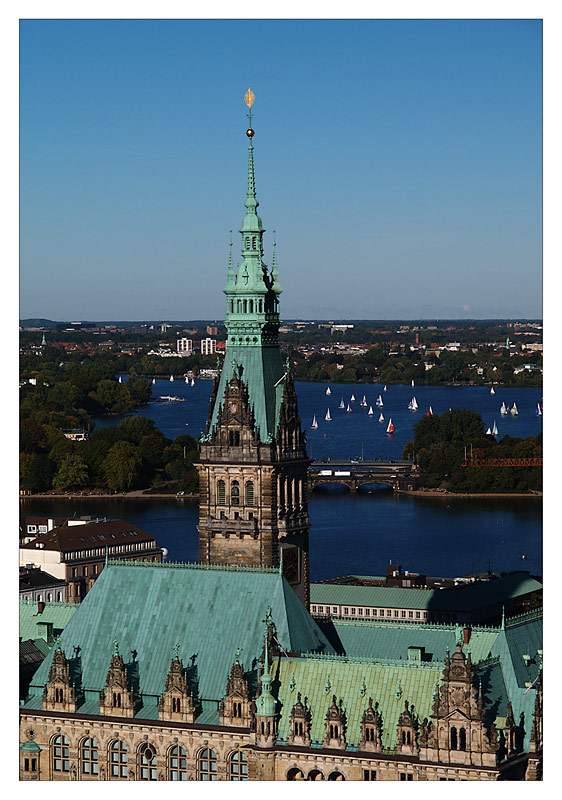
{"type": "Point", "coordinates": [66, 394]}
{"type": "Point", "coordinates": [376, 365]}
{"type": "Point", "coordinates": [442, 442]}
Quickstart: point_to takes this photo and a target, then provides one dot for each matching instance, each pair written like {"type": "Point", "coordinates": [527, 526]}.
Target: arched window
{"type": "Point", "coordinates": [176, 704]}
{"type": "Point", "coordinates": [336, 776]}
{"type": "Point", "coordinates": [59, 695]}
{"type": "Point", "coordinates": [238, 766]}
{"type": "Point", "coordinates": [235, 493]}
{"type": "Point", "coordinates": [238, 306]}
{"type": "Point", "coordinates": [221, 493]}
{"type": "Point", "coordinates": [177, 764]}
{"type": "Point", "coordinates": [453, 738]}
{"type": "Point", "coordinates": [116, 700]}
{"type": "Point", "coordinates": [59, 596]}
{"type": "Point", "coordinates": [462, 739]}
{"type": "Point", "coordinates": [295, 774]}
{"type": "Point", "coordinates": [61, 754]}
{"type": "Point", "coordinates": [261, 306]}
{"type": "Point", "coordinates": [249, 493]}
{"type": "Point", "coordinates": [232, 306]}
{"type": "Point", "coordinates": [118, 759]}
{"type": "Point", "coordinates": [49, 597]}
{"type": "Point", "coordinates": [147, 763]}
{"type": "Point", "coordinates": [315, 775]}
{"type": "Point", "coordinates": [207, 765]}
{"type": "Point", "coordinates": [89, 757]}
{"type": "Point", "coordinates": [251, 306]}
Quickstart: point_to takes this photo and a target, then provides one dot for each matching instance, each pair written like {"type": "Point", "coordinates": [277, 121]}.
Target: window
{"type": "Point", "coordinates": [207, 765]}
{"type": "Point", "coordinates": [249, 493]}
{"type": "Point", "coordinates": [417, 614]}
{"type": "Point", "coordinates": [388, 612]}
{"type": "Point", "coordinates": [59, 694]}
{"type": "Point", "coordinates": [367, 612]}
{"type": "Point", "coordinates": [314, 609]}
{"type": "Point", "coordinates": [221, 493]}
{"type": "Point", "coordinates": [118, 759]}
{"type": "Point", "coordinates": [410, 614]}
{"type": "Point", "coordinates": [369, 775]}
{"type": "Point", "coordinates": [178, 764]}
{"type": "Point", "coordinates": [360, 612]}
{"type": "Point", "coordinates": [147, 763]}
{"type": "Point", "coordinates": [89, 757]}
{"type": "Point", "coordinates": [395, 613]}
{"type": "Point", "coordinates": [346, 611]}
{"type": "Point", "coordinates": [176, 705]}
{"type": "Point", "coordinates": [454, 741]}
{"type": "Point", "coordinates": [61, 754]}
{"type": "Point", "coordinates": [353, 611]}
{"type": "Point", "coordinates": [30, 765]}
{"type": "Point", "coordinates": [403, 614]}
{"type": "Point", "coordinates": [238, 766]}
{"type": "Point", "coordinates": [462, 739]}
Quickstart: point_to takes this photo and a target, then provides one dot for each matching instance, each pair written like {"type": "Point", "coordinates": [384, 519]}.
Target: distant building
{"type": "Point", "coordinates": [212, 330]}
{"type": "Point", "coordinates": [75, 434]}
{"type": "Point", "coordinates": [208, 347]}
{"type": "Point", "coordinates": [185, 346]}
{"type": "Point", "coordinates": [76, 552]}
{"type": "Point", "coordinates": [38, 585]}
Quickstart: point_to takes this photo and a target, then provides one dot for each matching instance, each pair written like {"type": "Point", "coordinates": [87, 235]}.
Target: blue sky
{"type": "Point", "coordinates": [398, 161]}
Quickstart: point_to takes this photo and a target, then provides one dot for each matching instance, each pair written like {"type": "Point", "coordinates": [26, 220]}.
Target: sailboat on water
{"type": "Point", "coordinates": [503, 410]}
{"type": "Point", "coordinates": [352, 398]}
{"type": "Point", "coordinates": [384, 388]}
{"type": "Point", "coordinates": [379, 402]}
{"type": "Point", "coordinates": [390, 428]}
{"type": "Point", "coordinates": [412, 383]}
{"type": "Point", "coordinates": [514, 411]}
{"type": "Point", "coordinates": [538, 412]}
{"type": "Point", "coordinates": [192, 382]}
{"type": "Point", "coordinates": [153, 381]}
{"type": "Point", "coordinates": [370, 412]}
{"type": "Point", "coordinates": [186, 379]}
{"type": "Point", "coordinates": [348, 409]}
{"type": "Point", "coordinates": [328, 391]}
{"type": "Point", "coordinates": [314, 423]}
{"type": "Point", "coordinates": [489, 432]}
{"type": "Point", "coordinates": [381, 418]}
{"type": "Point", "coordinates": [171, 377]}
{"type": "Point", "coordinates": [120, 379]}
{"type": "Point", "coordinates": [364, 401]}
{"type": "Point", "coordinates": [494, 429]}
{"type": "Point", "coordinates": [342, 404]}
{"type": "Point", "coordinates": [413, 404]}
{"type": "Point", "coordinates": [328, 416]}
{"type": "Point", "coordinates": [492, 390]}
{"type": "Point", "coordinates": [429, 413]}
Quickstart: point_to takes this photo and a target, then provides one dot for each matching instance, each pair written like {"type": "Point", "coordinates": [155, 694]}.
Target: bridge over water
{"type": "Point", "coordinates": [355, 473]}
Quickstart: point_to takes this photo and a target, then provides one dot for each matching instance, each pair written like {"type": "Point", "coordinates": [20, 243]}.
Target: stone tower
{"type": "Point", "coordinates": [253, 464]}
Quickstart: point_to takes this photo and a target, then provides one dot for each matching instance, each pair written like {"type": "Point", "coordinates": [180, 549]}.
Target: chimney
{"type": "Point", "coordinates": [50, 524]}
{"type": "Point", "coordinates": [40, 607]}
{"type": "Point", "coordinates": [466, 635]}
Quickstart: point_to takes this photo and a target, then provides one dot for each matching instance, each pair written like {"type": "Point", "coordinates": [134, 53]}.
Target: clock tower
{"type": "Point", "coordinates": [253, 507]}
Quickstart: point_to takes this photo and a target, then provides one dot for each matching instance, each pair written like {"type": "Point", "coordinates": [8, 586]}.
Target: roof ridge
{"type": "Point", "coordinates": [525, 616]}
{"type": "Point", "coordinates": [374, 660]}
{"type": "Point", "coordinates": [118, 562]}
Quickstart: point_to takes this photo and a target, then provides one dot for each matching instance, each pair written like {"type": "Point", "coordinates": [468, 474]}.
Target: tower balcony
{"type": "Point", "coordinates": [233, 527]}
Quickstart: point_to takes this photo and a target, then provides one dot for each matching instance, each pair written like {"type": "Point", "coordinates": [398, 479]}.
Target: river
{"type": "Point", "coordinates": [358, 534]}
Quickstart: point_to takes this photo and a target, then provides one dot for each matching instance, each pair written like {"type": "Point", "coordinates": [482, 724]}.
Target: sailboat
{"type": "Point", "coordinates": [412, 383]}
{"type": "Point", "coordinates": [413, 404]}
{"type": "Point", "coordinates": [494, 429]}
{"type": "Point", "coordinates": [154, 380]}
{"type": "Point", "coordinates": [384, 389]}
{"type": "Point", "coordinates": [370, 412]}
{"type": "Point", "coordinates": [352, 398]}
{"type": "Point", "coordinates": [503, 410]}
{"type": "Point", "coordinates": [348, 409]}
{"type": "Point", "coordinates": [328, 391]}
{"type": "Point", "coordinates": [538, 412]}
{"type": "Point", "coordinates": [192, 382]}
{"type": "Point", "coordinates": [342, 404]}
{"type": "Point", "coordinates": [492, 390]}
{"type": "Point", "coordinates": [171, 377]}
{"type": "Point", "coordinates": [489, 432]}
{"type": "Point", "coordinates": [379, 401]}
{"type": "Point", "coordinates": [390, 428]}
{"type": "Point", "coordinates": [381, 418]}
{"type": "Point", "coordinates": [314, 423]}
{"type": "Point", "coordinates": [328, 416]}
{"type": "Point", "coordinates": [514, 410]}
{"type": "Point", "coordinates": [364, 401]}
{"type": "Point", "coordinates": [429, 413]}
{"type": "Point", "coordinates": [120, 379]}
{"type": "Point", "coordinates": [187, 380]}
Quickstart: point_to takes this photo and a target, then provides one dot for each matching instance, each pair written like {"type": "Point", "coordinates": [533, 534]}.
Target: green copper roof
{"type": "Point", "coordinates": [210, 612]}
{"type": "Point", "coordinates": [30, 747]}
{"type": "Point", "coordinates": [391, 640]}
{"type": "Point", "coordinates": [34, 625]}
{"type": "Point", "coordinates": [385, 596]}
{"type": "Point", "coordinates": [354, 682]}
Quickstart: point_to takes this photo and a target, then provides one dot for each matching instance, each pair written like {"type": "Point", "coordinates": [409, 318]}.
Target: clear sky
{"type": "Point", "coordinates": [398, 161]}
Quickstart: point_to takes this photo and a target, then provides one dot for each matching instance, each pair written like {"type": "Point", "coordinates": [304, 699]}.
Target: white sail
{"type": "Point", "coordinates": [192, 382]}
{"type": "Point", "coordinates": [370, 412]}
{"type": "Point", "coordinates": [120, 379]}
{"type": "Point", "coordinates": [538, 412]}
{"type": "Point", "coordinates": [514, 410]}
{"type": "Point", "coordinates": [154, 380]}
{"type": "Point", "coordinates": [415, 403]}
{"type": "Point", "coordinates": [348, 409]}
{"type": "Point", "coordinates": [381, 418]}
{"type": "Point", "coordinates": [171, 377]}
{"type": "Point", "coordinates": [492, 391]}
{"type": "Point", "coordinates": [352, 398]}
{"type": "Point", "coordinates": [187, 380]}
{"type": "Point", "coordinates": [494, 429]}
{"type": "Point", "coordinates": [489, 432]}
{"type": "Point", "coordinates": [328, 390]}
{"type": "Point", "coordinates": [364, 400]}
{"type": "Point", "coordinates": [503, 410]}
{"type": "Point", "coordinates": [412, 383]}
{"type": "Point", "coordinates": [328, 416]}
{"type": "Point", "coordinates": [430, 411]}
{"type": "Point", "coordinates": [314, 423]}
{"type": "Point", "coordinates": [390, 428]}
{"type": "Point", "coordinates": [384, 389]}
{"type": "Point", "coordinates": [342, 404]}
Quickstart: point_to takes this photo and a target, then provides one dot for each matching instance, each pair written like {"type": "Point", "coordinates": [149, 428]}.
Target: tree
{"type": "Point", "coordinates": [122, 466]}
{"type": "Point", "coordinates": [73, 473]}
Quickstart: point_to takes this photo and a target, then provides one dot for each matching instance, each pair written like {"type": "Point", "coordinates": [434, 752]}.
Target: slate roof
{"type": "Point", "coordinates": [389, 683]}
{"type": "Point", "coordinates": [37, 579]}
{"type": "Point", "coordinates": [34, 626]}
{"type": "Point", "coordinates": [389, 640]}
{"type": "Point", "coordinates": [467, 597]}
{"type": "Point", "coordinates": [208, 611]}
{"type": "Point", "coordinates": [77, 537]}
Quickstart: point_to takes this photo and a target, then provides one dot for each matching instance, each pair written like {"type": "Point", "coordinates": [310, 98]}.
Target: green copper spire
{"type": "Point", "coordinates": [266, 703]}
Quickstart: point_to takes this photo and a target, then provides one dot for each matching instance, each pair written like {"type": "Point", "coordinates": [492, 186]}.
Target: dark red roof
{"type": "Point", "coordinates": [92, 534]}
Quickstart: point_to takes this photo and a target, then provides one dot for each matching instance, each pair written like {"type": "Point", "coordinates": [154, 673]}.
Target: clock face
{"type": "Point", "coordinates": [233, 408]}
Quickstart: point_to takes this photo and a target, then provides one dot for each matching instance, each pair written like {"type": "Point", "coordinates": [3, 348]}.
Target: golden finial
{"type": "Point", "coordinates": [249, 98]}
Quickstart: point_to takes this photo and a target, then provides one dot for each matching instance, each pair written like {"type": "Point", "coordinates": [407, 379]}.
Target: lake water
{"type": "Point", "coordinates": [358, 534]}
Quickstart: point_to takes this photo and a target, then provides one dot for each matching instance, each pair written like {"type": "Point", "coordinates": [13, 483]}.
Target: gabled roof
{"type": "Point", "coordinates": [208, 611]}
{"type": "Point", "coordinates": [34, 625]}
{"type": "Point", "coordinates": [93, 534]}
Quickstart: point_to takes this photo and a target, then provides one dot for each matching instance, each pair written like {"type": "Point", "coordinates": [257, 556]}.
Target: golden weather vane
{"type": "Point", "coordinates": [249, 98]}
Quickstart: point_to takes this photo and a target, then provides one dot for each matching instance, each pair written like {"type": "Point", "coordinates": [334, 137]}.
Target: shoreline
{"type": "Point", "coordinates": [448, 495]}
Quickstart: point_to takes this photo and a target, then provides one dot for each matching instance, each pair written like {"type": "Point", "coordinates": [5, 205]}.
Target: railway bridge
{"type": "Point", "coordinates": [356, 473]}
